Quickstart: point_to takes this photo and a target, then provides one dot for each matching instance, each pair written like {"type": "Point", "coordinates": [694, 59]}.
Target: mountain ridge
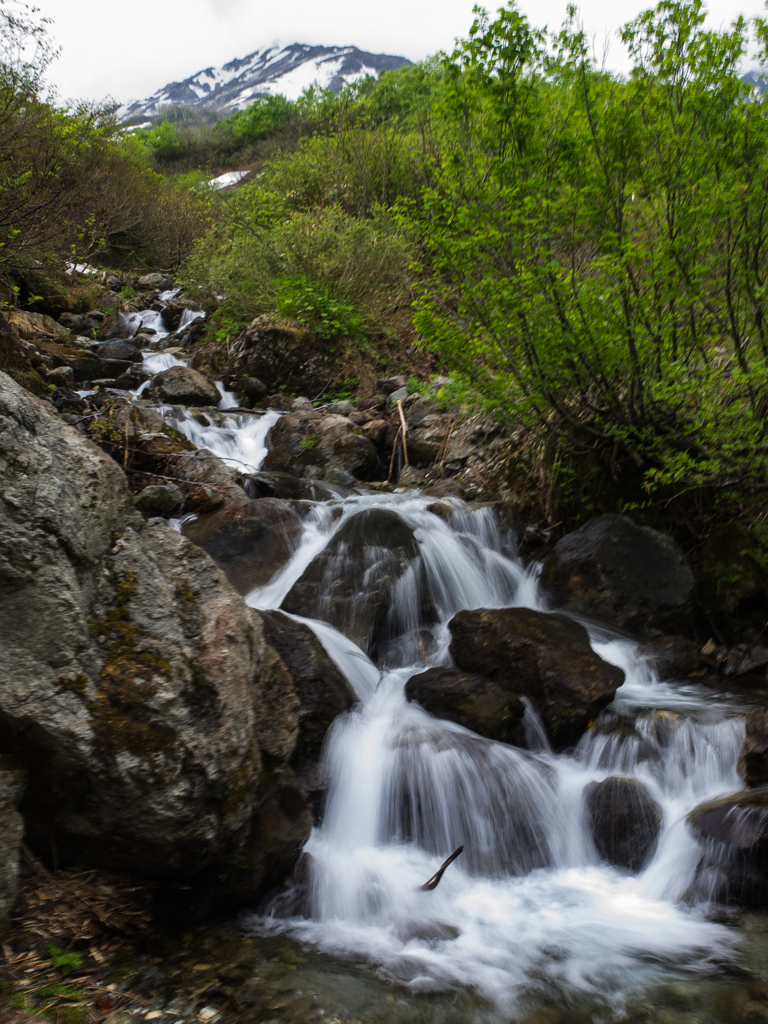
{"type": "Point", "coordinates": [274, 70]}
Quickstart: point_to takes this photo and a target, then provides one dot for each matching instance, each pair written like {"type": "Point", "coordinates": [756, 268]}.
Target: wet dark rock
{"type": "Point", "coordinates": [78, 323]}
{"type": "Point", "coordinates": [158, 500]}
{"type": "Point", "coordinates": [266, 484]}
{"type": "Point", "coordinates": [733, 869]}
{"type": "Point", "coordinates": [117, 349]}
{"type": "Point", "coordinates": [444, 489]}
{"type": "Point", "coordinates": [351, 583]}
{"type": "Point", "coordinates": [329, 443]}
{"type": "Point", "coordinates": [13, 779]}
{"type": "Point", "coordinates": [753, 758]}
{"type": "Point", "coordinates": [250, 541]}
{"type": "Point", "coordinates": [483, 705]}
{"type": "Point", "coordinates": [545, 657]}
{"type": "Point", "coordinates": [628, 575]}
{"type": "Point", "coordinates": [739, 821]}
{"type": "Point", "coordinates": [181, 385]}
{"type": "Point", "coordinates": [67, 401]}
{"type": "Point", "coordinates": [322, 690]}
{"type": "Point", "coordinates": [118, 326]}
{"type": "Point", "coordinates": [250, 389]}
{"type": "Point", "coordinates": [673, 657]}
{"type": "Point", "coordinates": [625, 821]}
{"type": "Point", "coordinates": [137, 688]}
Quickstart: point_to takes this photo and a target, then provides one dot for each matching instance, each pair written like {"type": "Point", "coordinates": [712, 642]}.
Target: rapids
{"type": "Point", "coordinates": [528, 915]}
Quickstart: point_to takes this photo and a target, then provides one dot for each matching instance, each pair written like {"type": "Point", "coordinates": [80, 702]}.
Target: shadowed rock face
{"type": "Point", "coordinates": [483, 705]}
{"type": "Point", "coordinates": [753, 758]}
{"type": "Point", "coordinates": [12, 781]}
{"type": "Point", "coordinates": [250, 541]}
{"type": "Point", "coordinates": [628, 575]}
{"type": "Point", "coordinates": [157, 724]}
{"type": "Point", "coordinates": [350, 583]}
{"type": "Point", "coordinates": [545, 657]}
{"type": "Point", "coordinates": [625, 821]}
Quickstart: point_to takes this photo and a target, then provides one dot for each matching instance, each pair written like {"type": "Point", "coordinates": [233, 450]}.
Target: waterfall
{"type": "Point", "coordinates": [528, 910]}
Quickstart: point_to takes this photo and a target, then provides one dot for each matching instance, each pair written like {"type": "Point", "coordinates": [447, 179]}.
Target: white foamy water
{"type": "Point", "coordinates": [240, 442]}
{"type": "Point", "coordinates": [528, 910]}
{"type": "Point", "coordinates": [528, 907]}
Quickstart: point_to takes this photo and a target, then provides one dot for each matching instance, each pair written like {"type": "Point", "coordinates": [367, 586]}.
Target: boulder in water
{"type": "Point", "coordinates": [117, 349]}
{"type": "Point", "coordinates": [627, 575]}
{"type": "Point", "coordinates": [322, 690]}
{"type": "Point", "coordinates": [733, 869]}
{"type": "Point", "coordinates": [181, 385]}
{"type": "Point", "coordinates": [753, 758]}
{"type": "Point", "coordinates": [13, 779]}
{"type": "Point", "coordinates": [483, 705]}
{"type": "Point", "coordinates": [673, 657]}
{"type": "Point", "coordinates": [625, 821]}
{"type": "Point", "coordinates": [738, 821]}
{"type": "Point", "coordinates": [119, 326]}
{"type": "Point", "coordinates": [250, 541]}
{"type": "Point", "coordinates": [351, 583]}
{"type": "Point", "coordinates": [250, 389]}
{"type": "Point", "coordinates": [545, 657]}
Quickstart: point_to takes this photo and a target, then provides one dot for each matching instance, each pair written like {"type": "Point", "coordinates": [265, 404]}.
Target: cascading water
{"type": "Point", "coordinates": [528, 915]}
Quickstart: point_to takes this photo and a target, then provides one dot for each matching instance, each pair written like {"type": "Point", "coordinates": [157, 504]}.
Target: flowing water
{"type": "Point", "coordinates": [528, 917]}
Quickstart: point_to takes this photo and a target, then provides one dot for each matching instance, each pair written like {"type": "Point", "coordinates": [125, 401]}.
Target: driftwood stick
{"type": "Point", "coordinates": [434, 881]}
{"type": "Point", "coordinates": [394, 449]}
{"type": "Point", "coordinates": [404, 428]}
{"type": "Point", "coordinates": [421, 647]}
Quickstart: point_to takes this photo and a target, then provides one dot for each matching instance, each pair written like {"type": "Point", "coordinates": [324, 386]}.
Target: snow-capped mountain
{"type": "Point", "coordinates": [267, 72]}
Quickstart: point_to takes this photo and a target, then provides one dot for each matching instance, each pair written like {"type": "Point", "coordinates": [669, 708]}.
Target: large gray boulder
{"type": "Point", "coordinates": [734, 865]}
{"type": "Point", "coordinates": [138, 689]}
{"type": "Point", "coordinates": [181, 385]}
{"type": "Point", "coordinates": [351, 583]}
{"type": "Point", "coordinates": [329, 444]}
{"type": "Point", "coordinates": [12, 781]}
{"type": "Point", "coordinates": [627, 575]}
{"type": "Point", "coordinates": [545, 657]}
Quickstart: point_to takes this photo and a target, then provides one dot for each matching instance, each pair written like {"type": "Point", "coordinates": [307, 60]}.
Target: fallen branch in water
{"type": "Point", "coordinates": [434, 881]}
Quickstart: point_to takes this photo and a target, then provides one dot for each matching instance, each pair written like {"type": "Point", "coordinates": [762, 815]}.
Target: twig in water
{"type": "Point", "coordinates": [394, 449]}
{"type": "Point", "coordinates": [421, 647]}
{"type": "Point", "coordinates": [434, 881]}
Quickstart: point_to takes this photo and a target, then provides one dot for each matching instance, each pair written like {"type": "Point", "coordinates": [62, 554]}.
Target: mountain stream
{"type": "Point", "coordinates": [528, 924]}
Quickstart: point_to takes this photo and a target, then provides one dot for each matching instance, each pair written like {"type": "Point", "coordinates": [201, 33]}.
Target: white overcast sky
{"type": "Point", "coordinates": [129, 50]}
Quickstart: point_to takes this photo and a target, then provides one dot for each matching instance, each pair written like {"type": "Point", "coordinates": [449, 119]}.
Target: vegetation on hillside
{"type": "Point", "coordinates": [584, 253]}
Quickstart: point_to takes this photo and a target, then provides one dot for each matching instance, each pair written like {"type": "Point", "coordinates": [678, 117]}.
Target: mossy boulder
{"type": "Point", "coordinates": [487, 707]}
{"type": "Point", "coordinates": [156, 722]}
{"type": "Point", "coordinates": [545, 657]}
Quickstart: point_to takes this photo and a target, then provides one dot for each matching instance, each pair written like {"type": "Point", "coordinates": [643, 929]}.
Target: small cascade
{"type": "Point", "coordinates": [529, 910]}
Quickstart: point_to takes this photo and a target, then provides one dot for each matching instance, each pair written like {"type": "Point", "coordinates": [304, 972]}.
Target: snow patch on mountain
{"type": "Point", "coordinates": [286, 71]}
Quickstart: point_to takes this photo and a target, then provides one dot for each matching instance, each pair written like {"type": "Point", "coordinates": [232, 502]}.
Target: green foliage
{"type": "Point", "coordinates": [314, 305]}
{"type": "Point", "coordinates": [595, 260]}
{"type": "Point", "coordinates": [64, 960]}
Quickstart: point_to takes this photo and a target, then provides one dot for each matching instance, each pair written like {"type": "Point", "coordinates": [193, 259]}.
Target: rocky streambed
{"type": "Point", "coordinates": [274, 677]}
